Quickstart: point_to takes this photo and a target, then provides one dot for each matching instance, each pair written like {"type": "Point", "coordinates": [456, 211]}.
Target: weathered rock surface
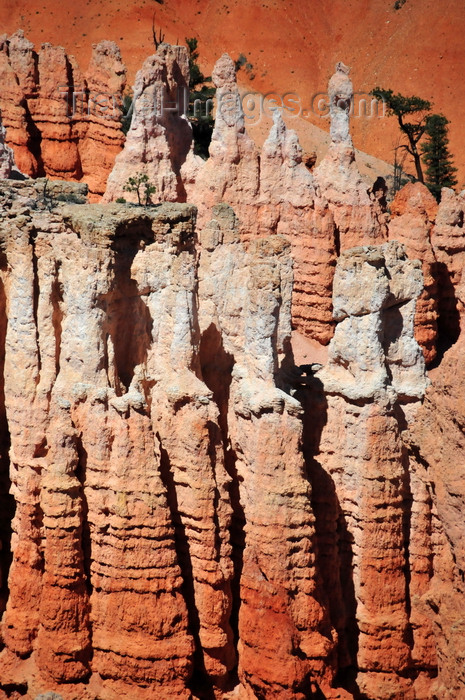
{"type": "Point", "coordinates": [6, 155]}
{"type": "Point", "coordinates": [59, 122]}
{"type": "Point", "coordinates": [98, 119]}
{"type": "Point", "coordinates": [19, 79]}
{"type": "Point", "coordinates": [375, 290]}
{"type": "Point", "coordinates": [188, 513]}
{"type": "Point", "coordinates": [231, 173]}
{"type": "Point", "coordinates": [94, 564]}
{"type": "Point", "coordinates": [371, 509]}
{"type": "Point", "coordinates": [289, 205]}
{"type": "Point", "coordinates": [448, 244]}
{"type": "Point", "coordinates": [160, 135]}
{"type": "Point", "coordinates": [271, 192]}
{"type": "Point", "coordinates": [148, 441]}
{"type": "Point", "coordinates": [437, 438]}
{"type": "Point", "coordinates": [413, 212]}
{"type": "Point", "coordinates": [283, 627]}
{"type": "Point", "coordinates": [359, 219]}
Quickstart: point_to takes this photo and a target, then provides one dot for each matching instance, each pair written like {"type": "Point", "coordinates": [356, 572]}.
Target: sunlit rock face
{"type": "Point", "coordinates": [60, 121]}
{"type": "Point", "coordinates": [184, 512]}
{"type": "Point", "coordinates": [148, 430]}
{"type": "Point", "coordinates": [413, 212]}
{"type": "Point", "coordinates": [160, 136]}
{"type": "Point", "coordinates": [372, 504]}
{"type": "Point", "coordinates": [357, 216]}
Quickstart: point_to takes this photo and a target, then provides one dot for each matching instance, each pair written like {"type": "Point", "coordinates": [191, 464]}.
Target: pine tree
{"type": "Point", "coordinates": [414, 108]}
{"type": "Point", "coordinates": [440, 170]}
{"type": "Point", "coordinates": [196, 75]}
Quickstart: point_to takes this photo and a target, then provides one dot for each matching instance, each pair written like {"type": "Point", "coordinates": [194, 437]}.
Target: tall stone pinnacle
{"type": "Point", "coordinates": [341, 93]}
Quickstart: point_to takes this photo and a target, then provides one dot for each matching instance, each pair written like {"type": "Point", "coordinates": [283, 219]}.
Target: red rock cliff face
{"type": "Point", "coordinates": [154, 552]}
{"type": "Point", "coordinates": [59, 122]}
{"type": "Point", "coordinates": [365, 493]}
{"type": "Point", "coordinates": [187, 512]}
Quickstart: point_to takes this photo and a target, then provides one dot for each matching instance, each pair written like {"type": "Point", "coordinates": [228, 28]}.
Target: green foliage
{"type": "Point", "coordinates": [400, 105]}
{"type": "Point", "coordinates": [440, 170]}
{"type": "Point", "coordinates": [196, 75]}
{"type": "Point", "coordinates": [412, 113]}
{"type": "Point", "coordinates": [201, 97]}
{"type": "Point", "coordinates": [120, 200]}
{"type": "Point", "coordinates": [140, 185]}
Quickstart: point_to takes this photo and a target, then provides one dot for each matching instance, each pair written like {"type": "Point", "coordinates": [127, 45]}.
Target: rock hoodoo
{"type": "Point", "coordinates": [413, 212]}
{"type": "Point", "coordinates": [187, 510]}
{"type": "Point", "coordinates": [358, 218]}
{"type": "Point", "coordinates": [184, 512]}
{"type": "Point", "coordinates": [375, 290]}
{"type": "Point", "coordinates": [61, 123]}
{"type": "Point", "coordinates": [160, 135]}
{"type": "Point", "coordinates": [142, 533]}
{"type": "Point", "coordinates": [370, 503]}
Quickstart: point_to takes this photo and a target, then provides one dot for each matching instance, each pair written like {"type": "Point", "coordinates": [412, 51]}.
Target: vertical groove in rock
{"type": "Point", "coordinates": [216, 365]}
{"type": "Point", "coordinates": [333, 555]}
{"type": "Point", "coordinates": [7, 503]}
{"type": "Point", "coordinates": [183, 557]}
{"type": "Point", "coordinates": [86, 541]}
{"type": "Point", "coordinates": [36, 292]}
{"type": "Point", "coordinates": [447, 241]}
{"type": "Point", "coordinates": [56, 299]}
{"type": "Point", "coordinates": [424, 657]}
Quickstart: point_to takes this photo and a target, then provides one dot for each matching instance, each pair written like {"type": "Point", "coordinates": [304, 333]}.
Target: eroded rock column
{"type": "Point", "coordinates": [375, 368]}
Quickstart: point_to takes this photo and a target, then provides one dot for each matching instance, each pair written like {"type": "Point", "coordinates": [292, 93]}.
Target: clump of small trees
{"type": "Point", "coordinates": [415, 122]}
